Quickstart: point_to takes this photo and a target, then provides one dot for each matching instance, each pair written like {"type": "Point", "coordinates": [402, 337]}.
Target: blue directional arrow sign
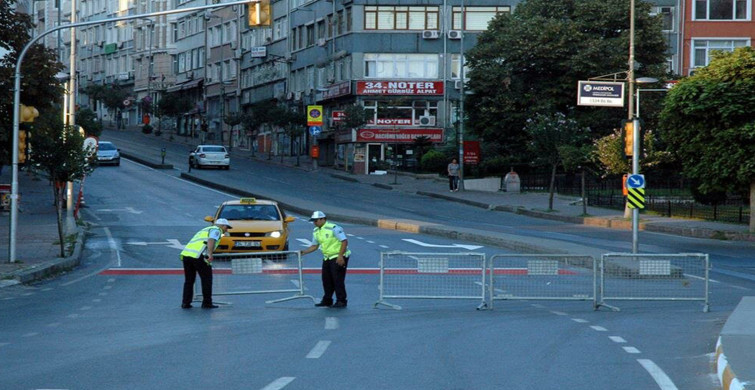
{"type": "Point", "coordinates": [314, 130]}
{"type": "Point", "coordinates": [636, 181]}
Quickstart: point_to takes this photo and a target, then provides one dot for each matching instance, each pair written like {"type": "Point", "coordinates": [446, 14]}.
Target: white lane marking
{"type": "Point", "coordinates": [73, 316]}
{"type": "Point", "coordinates": [599, 328]}
{"type": "Point", "coordinates": [97, 300]}
{"type": "Point", "coordinates": [279, 383]}
{"type": "Point", "coordinates": [581, 321]}
{"type": "Point", "coordinates": [318, 350]}
{"type": "Point", "coordinates": [701, 278]}
{"type": "Point", "coordinates": [30, 334]}
{"type": "Point", "coordinates": [631, 349]}
{"type": "Point", "coordinates": [558, 313]}
{"type": "Point", "coordinates": [384, 246]}
{"type": "Point", "coordinates": [371, 242]}
{"type": "Point", "coordinates": [53, 324]}
{"type": "Point", "coordinates": [304, 241]}
{"type": "Point", "coordinates": [47, 289]}
{"type": "Point", "coordinates": [537, 305]}
{"type": "Point", "coordinates": [107, 287]}
{"type": "Point", "coordinates": [617, 339]}
{"type": "Point", "coordinates": [331, 323]}
{"type": "Point", "coordinates": [27, 294]}
{"type": "Point", "coordinates": [85, 307]}
{"type": "Point", "coordinates": [102, 294]}
{"type": "Point", "coordinates": [295, 282]}
{"type": "Point", "coordinates": [426, 245]}
{"type": "Point", "coordinates": [360, 238]}
{"type": "Point", "coordinates": [660, 377]}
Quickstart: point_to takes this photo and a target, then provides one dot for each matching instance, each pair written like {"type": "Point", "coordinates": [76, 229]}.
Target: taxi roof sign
{"type": "Point", "coordinates": [248, 200]}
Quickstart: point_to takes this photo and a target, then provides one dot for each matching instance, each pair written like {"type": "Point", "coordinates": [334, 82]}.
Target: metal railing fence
{"type": "Point", "coordinates": [654, 277]}
{"type": "Point", "coordinates": [410, 275]}
{"type": "Point", "coordinates": [542, 277]}
{"type": "Point", "coordinates": [258, 273]}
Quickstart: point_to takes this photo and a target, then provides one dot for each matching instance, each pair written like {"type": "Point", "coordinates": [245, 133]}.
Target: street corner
{"type": "Point", "coordinates": [404, 225]}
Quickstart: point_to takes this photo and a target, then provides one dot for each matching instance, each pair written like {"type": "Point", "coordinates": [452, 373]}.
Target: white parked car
{"type": "Point", "coordinates": [107, 153]}
{"type": "Point", "coordinates": [210, 156]}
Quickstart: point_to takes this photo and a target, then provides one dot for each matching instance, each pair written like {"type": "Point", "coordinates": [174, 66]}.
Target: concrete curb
{"type": "Point", "coordinates": [52, 267]}
{"type": "Point", "coordinates": [146, 162]}
{"type": "Point", "coordinates": [737, 335]}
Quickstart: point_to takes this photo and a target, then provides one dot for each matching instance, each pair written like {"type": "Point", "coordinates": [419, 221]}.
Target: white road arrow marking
{"type": "Point", "coordinates": [420, 243]}
{"type": "Point", "coordinates": [127, 209]}
{"type": "Point", "coordinates": [304, 241]}
{"type": "Point", "coordinates": [171, 243]}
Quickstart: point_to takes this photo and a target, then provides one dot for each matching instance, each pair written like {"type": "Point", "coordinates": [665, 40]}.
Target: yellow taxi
{"type": "Point", "coordinates": [257, 226]}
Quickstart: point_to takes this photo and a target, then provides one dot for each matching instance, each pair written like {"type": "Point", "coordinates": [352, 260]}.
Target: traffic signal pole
{"type": "Point", "coordinates": [17, 98]}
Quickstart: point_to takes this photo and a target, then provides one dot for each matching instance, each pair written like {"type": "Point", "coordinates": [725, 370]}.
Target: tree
{"type": "Point", "coordinates": [59, 153]}
{"type": "Point", "coordinates": [292, 122]}
{"type": "Point", "coordinates": [232, 119]}
{"type": "Point", "coordinates": [39, 87]}
{"type": "Point", "coordinates": [112, 97]}
{"type": "Point", "coordinates": [87, 119]}
{"type": "Point", "coordinates": [551, 138]}
{"type": "Point", "coordinates": [707, 122]}
{"type": "Point", "coordinates": [529, 62]}
{"type": "Point", "coordinates": [174, 105]}
{"type": "Point", "coordinates": [354, 116]}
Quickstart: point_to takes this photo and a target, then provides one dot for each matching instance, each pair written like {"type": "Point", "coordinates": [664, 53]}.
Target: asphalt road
{"type": "Point", "coordinates": [92, 329]}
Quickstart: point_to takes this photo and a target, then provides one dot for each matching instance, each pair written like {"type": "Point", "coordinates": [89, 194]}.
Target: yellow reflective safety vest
{"type": "Point", "coordinates": [198, 244]}
{"type": "Point", "coordinates": [330, 245]}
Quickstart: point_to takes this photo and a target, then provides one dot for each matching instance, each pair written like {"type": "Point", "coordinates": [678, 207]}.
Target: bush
{"type": "Point", "coordinates": [498, 165]}
{"type": "Point", "coordinates": [147, 129]}
{"type": "Point", "coordinates": [434, 161]}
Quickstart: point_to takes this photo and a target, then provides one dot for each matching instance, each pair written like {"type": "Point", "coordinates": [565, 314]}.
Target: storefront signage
{"type": "Point", "coordinates": [258, 51]}
{"type": "Point", "coordinates": [600, 93]}
{"type": "Point", "coordinates": [339, 116]}
{"type": "Point", "coordinates": [399, 88]}
{"type": "Point", "coordinates": [398, 135]}
{"type": "Point", "coordinates": [391, 122]}
{"type": "Point", "coordinates": [336, 90]}
{"type": "Point", "coordinates": [472, 152]}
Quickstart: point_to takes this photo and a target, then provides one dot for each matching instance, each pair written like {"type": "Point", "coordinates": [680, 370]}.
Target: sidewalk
{"type": "Point", "coordinates": [37, 240]}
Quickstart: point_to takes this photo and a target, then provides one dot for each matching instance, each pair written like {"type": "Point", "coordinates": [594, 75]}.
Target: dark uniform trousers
{"type": "Point", "coordinates": [192, 267]}
{"type": "Point", "coordinates": [334, 280]}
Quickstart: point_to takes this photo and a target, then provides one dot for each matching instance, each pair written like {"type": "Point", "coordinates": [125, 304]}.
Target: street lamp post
{"type": "Point", "coordinates": [636, 156]}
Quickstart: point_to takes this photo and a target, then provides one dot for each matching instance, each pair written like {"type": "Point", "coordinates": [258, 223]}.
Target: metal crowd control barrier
{"type": "Point", "coordinates": [542, 277]}
{"type": "Point", "coordinates": [408, 275]}
{"type": "Point", "coordinates": [257, 273]}
{"type": "Point", "coordinates": [654, 277]}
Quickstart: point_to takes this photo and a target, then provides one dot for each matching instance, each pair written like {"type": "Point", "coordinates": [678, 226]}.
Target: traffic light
{"type": "Point", "coordinates": [628, 138]}
{"type": "Point", "coordinates": [260, 13]}
{"type": "Point", "coordinates": [28, 114]}
{"type": "Point", "coordinates": [22, 146]}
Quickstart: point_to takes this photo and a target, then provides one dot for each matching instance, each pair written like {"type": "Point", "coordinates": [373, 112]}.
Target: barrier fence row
{"type": "Point", "coordinates": [614, 277]}
{"type": "Point", "coordinates": [473, 276]}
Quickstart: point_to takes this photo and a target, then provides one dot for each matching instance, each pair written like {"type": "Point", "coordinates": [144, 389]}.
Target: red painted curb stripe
{"type": "Point", "coordinates": [292, 271]}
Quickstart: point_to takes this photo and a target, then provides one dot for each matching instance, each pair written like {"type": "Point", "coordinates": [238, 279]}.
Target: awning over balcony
{"type": "Point", "coordinates": [185, 85]}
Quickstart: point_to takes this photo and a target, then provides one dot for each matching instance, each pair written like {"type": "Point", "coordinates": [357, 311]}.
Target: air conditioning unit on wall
{"type": "Point", "coordinates": [458, 84]}
{"type": "Point", "coordinates": [454, 34]}
{"type": "Point", "coordinates": [321, 42]}
{"type": "Point", "coordinates": [427, 120]}
{"type": "Point", "coordinates": [430, 34]}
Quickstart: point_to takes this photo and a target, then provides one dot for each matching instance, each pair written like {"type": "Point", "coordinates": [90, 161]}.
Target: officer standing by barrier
{"type": "Point", "coordinates": [333, 244]}
{"type": "Point", "coordinates": [197, 259]}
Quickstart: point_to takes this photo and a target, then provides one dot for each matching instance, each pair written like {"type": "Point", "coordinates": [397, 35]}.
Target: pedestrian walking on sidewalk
{"type": "Point", "coordinates": [453, 176]}
{"type": "Point", "coordinates": [197, 258]}
{"type": "Point", "coordinates": [334, 246]}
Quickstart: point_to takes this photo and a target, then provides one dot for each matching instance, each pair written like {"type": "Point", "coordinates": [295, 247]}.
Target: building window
{"type": "Point", "coordinates": [476, 18]}
{"type": "Point", "coordinates": [722, 9]}
{"type": "Point", "coordinates": [403, 66]}
{"type": "Point", "coordinates": [400, 18]}
{"type": "Point", "coordinates": [704, 47]}
{"type": "Point", "coordinates": [456, 60]}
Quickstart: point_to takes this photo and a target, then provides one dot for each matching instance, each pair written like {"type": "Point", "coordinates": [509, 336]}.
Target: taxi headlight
{"type": "Point", "coordinates": [274, 234]}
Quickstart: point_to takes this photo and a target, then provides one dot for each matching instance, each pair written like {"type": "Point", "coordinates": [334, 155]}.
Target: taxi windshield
{"type": "Point", "coordinates": [257, 212]}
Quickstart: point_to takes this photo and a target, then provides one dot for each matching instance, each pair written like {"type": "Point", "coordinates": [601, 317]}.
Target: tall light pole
{"type": "Point", "coordinates": [461, 98]}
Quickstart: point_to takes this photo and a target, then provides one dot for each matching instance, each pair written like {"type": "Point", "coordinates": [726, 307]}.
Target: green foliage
{"type": "Point", "coordinates": [39, 87]}
{"type": "Point", "coordinates": [58, 149]}
{"type": "Point", "coordinates": [174, 105]}
{"type": "Point", "coordinates": [549, 134]}
{"type": "Point", "coordinates": [609, 151]}
{"type": "Point", "coordinates": [355, 116]}
{"type": "Point", "coordinates": [232, 118]}
{"type": "Point", "coordinates": [434, 161]}
{"type": "Point", "coordinates": [529, 62]}
{"type": "Point", "coordinates": [707, 120]}
{"type": "Point", "coordinates": [111, 95]}
{"type": "Point", "coordinates": [87, 119]}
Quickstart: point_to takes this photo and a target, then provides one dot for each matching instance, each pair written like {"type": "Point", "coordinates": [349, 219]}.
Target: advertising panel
{"type": "Point", "coordinates": [405, 135]}
{"type": "Point", "coordinates": [387, 88]}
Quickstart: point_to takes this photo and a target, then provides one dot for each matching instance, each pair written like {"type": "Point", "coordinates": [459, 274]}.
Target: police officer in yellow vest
{"type": "Point", "coordinates": [197, 259]}
{"type": "Point", "coordinates": [333, 244]}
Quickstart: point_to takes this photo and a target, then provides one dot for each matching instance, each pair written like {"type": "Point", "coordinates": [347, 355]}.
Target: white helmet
{"type": "Point", "coordinates": [223, 221]}
{"type": "Point", "coordinates": [317, 215]}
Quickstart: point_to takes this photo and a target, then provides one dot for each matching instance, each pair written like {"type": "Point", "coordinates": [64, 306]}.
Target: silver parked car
{"type": "Point", "coordinates": [107, 153]}
{"type": "Point", "coordinates": [210, 156]}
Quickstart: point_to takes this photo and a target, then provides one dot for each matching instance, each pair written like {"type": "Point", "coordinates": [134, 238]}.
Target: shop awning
{"type": "Point", "coordinates": [185, 85]}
